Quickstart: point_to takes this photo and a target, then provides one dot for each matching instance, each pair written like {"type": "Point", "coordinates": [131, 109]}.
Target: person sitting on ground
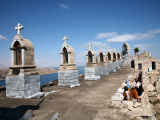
{"type": "Point", "coordinates": [139, 87]}
{"type": "Point", "coordinates": [126, 94]}
{"type": "Point", "coordinates": [134, 93]}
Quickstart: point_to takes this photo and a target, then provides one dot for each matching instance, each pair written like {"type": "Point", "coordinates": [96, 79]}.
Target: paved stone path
{"type": "Point", "coordinates": [87, 102]}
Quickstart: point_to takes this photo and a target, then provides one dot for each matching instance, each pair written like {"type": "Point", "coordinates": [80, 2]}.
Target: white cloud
{"type": "Point", "coordinates": [36, 60]}
{"type": "Point", "coordinates": [94, 44]}
{"type": "Point", "coordinates": [81, 54]}
{"type": "Point", "coordinates": [128, 37]}
{"type": "Point", "coordinates": [2, 38]}
{"type": "Point", "coordinates": [104, 35]}
{"type": "Point", "coordinates": [146, 47]}
{"type": "Point", "coordinates": [63, 6]}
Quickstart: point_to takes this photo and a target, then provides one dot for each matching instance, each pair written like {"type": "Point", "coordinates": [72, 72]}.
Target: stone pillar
{"type": "Point", "coordinates": [61, 58]}
{"type": "Point", "coordinates": [12, 57]}
{"type": "Point", "coordinates": [87, 59]}
{"type": "Point", "coordinates": [93, 58]}
{"type": "Point", "coordinates": [69, 58]}
{"type": "Point", "coordinates": [23, 56]}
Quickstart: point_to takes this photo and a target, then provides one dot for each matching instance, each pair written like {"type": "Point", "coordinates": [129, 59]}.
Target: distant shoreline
{"type": "Point", "coordinates": [41, 71]}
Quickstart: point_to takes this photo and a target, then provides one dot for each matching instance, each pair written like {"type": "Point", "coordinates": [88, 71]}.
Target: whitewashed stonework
{"type": "Point", "coordinates": [102, 65]}
{"type": "Point", "coordinates": [110, 64]}
{"type": "Point", "coordinates": [22, 81]}
{"type": "Point", "coordinates": [115, 59]}
{"type": "Point", "coordinates": [68, 72]}
{"type": "Point", "coordinates": [91, 69]}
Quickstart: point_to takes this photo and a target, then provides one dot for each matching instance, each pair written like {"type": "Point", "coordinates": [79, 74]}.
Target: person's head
{"type": "Point", "coordinates": [136, 80]}
{"type": "Point", "coordinates": [125, 88]}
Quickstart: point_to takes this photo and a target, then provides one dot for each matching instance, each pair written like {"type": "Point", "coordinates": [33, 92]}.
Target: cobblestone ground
{"type": "Point", "coordinates": [90, 101]}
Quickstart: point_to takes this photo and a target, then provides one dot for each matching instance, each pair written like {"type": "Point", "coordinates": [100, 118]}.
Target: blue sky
{"type": "Point", "coordinates": [46, 22]}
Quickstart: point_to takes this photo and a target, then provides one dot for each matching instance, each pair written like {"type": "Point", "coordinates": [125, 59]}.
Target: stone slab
{"type": "Point", "coordinates": [22, 86]}
{"type": "Point", "coordinates": [55, 117]}
{"type": "Point", "coordinates": [91, 74]}
{"type": "Point", "coordinates": [27, 116]}
{"type": "Point", "coordinates": [117, 98]}
{"type": "Point", "coordinates": [68, 78]}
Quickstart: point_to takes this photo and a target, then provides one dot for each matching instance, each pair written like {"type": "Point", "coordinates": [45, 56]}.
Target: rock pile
{"type": "Point", "coordinates": [148, 105]}
{"type": "Point", "coordinates": [51, 83]}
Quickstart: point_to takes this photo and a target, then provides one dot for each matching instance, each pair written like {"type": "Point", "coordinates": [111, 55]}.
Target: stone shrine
{"type": "Point", "coordinates": [68, 72]}
{"type": "Point", "coordinates": [91, 69]}
{"type": "Point", "coordinates": [110, 64]}
{"type": "Point", "coordinates": [119, 58]}
{"type": "Point", "coordinates": [115, 59]}
{"type": "Point", "coordinates": [102, 65]}
{"type": "Point", "coordinates": [22, 81]}
{"type": "Point", "coordinates": [126, 49]}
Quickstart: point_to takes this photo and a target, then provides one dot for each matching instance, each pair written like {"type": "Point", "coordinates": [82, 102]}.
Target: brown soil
{"type": "Point", "coordinates": [86, 102]}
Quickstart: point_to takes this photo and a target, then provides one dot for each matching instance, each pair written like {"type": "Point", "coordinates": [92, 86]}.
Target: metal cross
{"type": "Point", "coordinates": [65, 38]}
{"type": "Point", "coordinates": [113, 49]}
{"type": "Point", "coordinates": [19, 28]}
{"type": "Point", "coordinates": [89, 45]}
{"type": "Point", "coordinates": [101, 47]}
{"type": "Point", "coordinates": [108, 40]}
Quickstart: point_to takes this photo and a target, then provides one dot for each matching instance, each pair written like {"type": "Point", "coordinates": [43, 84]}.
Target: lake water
{"type": "Point", "coordinates": [48, 77]}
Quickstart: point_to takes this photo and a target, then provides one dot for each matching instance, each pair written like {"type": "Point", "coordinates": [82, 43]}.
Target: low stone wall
{"type": "Point", "coordinates": [22, 86]}
{"type": "Point", "coordinates": [68, 78]}
{"type": "Point", "coordinates": [91, 74]}
{"type": "Point", "coordinates": [111, 67]}
{"type": "Point", "coordinates": [103, 70]}
{"type": "Point", "coordinates": [143, 109]}
{"type": "Point", "coordinates": [116, 65]}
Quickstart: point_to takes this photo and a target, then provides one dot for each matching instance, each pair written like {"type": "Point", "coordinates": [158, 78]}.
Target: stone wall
{"type": "Point", "coordinates": [68, 78]}
{"type": "Point", "coordinates": [92, 74]}
{"type": "Point", "coordinates": [22, 86]}
{"type": "Point", "coordinates": [103, 70]}
{"type": "Point", "coordinates": [111, 67]}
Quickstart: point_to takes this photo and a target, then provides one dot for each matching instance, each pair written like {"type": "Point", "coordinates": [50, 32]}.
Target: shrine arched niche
{"type": "Point", "coordinates": [65, 55]}
{"type": "Point", "coordinates": [114, 55]}
{"type": "Point", "coordinates": [101, 57]}
{"type": "Point", "coordinates": [109, 55]}
{"type": "Point", "coordinates": [125, 47]}
{"type": "Point", "coordinates": [118, 55]}
{"type": "Point", "coordinates": [18, 54]}
{"type": "Point", "coordinates": [90, 59]}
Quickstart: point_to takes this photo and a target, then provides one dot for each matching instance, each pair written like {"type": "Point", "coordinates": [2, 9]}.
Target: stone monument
{"type": "Point", "coordinates": [68, 72]}
{"type": "Point", "coordinates": [91, 69]}
{"type": "Point", "coordinates": [102, 65]}
{"type": "Point", "coordinates": [109, 57]}
{"type": "Point", "coordinates": [22, 81]}
{"type": "Point", "coordinates": [110, 63]}
{"type": "Point", "coordinates": [119, 57]}
{"type": "Point", "coordinates": [115, 59]}
{"type": "Point", "coordinates": [126, 49]}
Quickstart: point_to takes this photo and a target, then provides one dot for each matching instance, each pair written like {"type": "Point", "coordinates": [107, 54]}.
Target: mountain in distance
{"type": "Point", "coordinates": [3, 67]}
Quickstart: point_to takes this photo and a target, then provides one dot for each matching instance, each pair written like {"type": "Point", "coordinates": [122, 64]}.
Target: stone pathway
{"type": "Point", "coordinates": [87, 102]}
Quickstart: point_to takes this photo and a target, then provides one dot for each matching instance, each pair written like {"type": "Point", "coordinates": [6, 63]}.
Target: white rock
{"type": "Point", "coordinates": [120, 90]}
{"type": "Point", "coordinates": [37, 95]}
{"type": "Point", "coordinates": [136, 105]}
{"type": "Point", "coordinates": [116, 103]}
{"type": "Point", "coordinates": [150, 88]}
{"type": "Point", "coordinates": [130, 105]}
{"type": "Point", "coordinates": [47, 93]}
{"type": "Point", "coordinates": [117, 98]}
